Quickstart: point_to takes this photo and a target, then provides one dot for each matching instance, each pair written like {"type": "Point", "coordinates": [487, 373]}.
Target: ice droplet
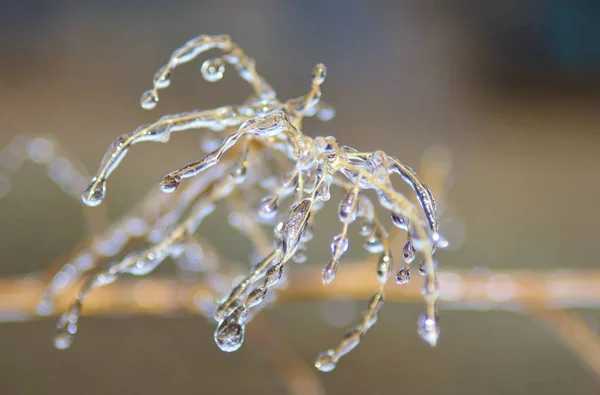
{"type": "Point", "coordinates": [229, 335]}
{"type": "Point", "coordinates": [329, 272]}
{"type": "Point", "coordinates": [339, 245]}
{"type": "Point", "coordinates": [429, 329]}
{"type": "Point", "coordinates": [256, 296]}
{"type": "Point", "coordinates": [399, 221]}
{"type": "Point", "coordinates": [374, 245]}
{"type": "Point", "coordinates": [94, 194]}
{"type": "Point", "coordinates": [409, 252]}
{"type": "Point", "coordinates": [149, 100]}
{"type": "Point", "coordinates": [348, 207]}
{"type": "Point", "coordinates": [326, 361]}
{"type": "Point", "coordinates": [63, 340]}
{"type": "Point", "coordinates": [268, 206]}
{"type": "Point", "coordinates": [384, 266]}
{"type": "Point", "coordinates": [162, 78]}
{"type": "Point", "coordinates": [403, 276]}
{"type": "Point", "coordinates": [169, 183]}
{"type": "Point", "coordinates": [213, 70]}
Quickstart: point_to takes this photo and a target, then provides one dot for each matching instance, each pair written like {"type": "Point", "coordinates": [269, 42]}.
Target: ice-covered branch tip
{"type": "Point", "coordinates": [264, 151]}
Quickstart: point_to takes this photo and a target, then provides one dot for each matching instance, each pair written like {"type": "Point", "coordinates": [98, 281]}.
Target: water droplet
{"type": "Point", "coordinates": [440, 241]}
{"type": "Point", "coordinates": [268, 206]}
{"type": "Point", "coordinates": [169, 183]}
{"type": "Point", "coordinates": [325, 112]}
{"type": "Point", "coordinates": [66, 327]}
{"type": "Point", "coordinates": [326, 361]}
{"type": "Point", "coordinates": [403, 276]}
{"type": "Point", "coordinates": [423, 267]}
{"type": "Point", "coordinates": [149, 100]}
{"type": "Point", "coordinates": [300, 255]}
{"type": "Point", "coordinates": [409, 252]}
{"type": "Point", "coordinates": [162, 78]}
{"type": "Point", "coordinates": [63, 340]}
{"type": "Point", "coordinates": [366, 229]}
{"type": "Point", "coordinates": [229, 335]}
{"type": "Point", "coordinates": [339, 245]}
{"type": "Point", "coordinates": [374, 245]}
{"type": "Point", "coordinates": [256, 296]}
{"type": "Point", "coordinates": [384, 266]}
{"type": "Point", "coordinates": [319, 73]}
{"type": "Point", "coordinates": [94, 194]}
{"type": "Point", "coordinates": [273, 275]}
{"type": "Point", "coordinates": [213, 69]}
{"type": "Point", "coordinates": [240, 172]}
{"type": "Point", "coordinates": [329, 272]}
{"type": "Point", "coordinates": [399, 221]}
{"type": "Point", "coordinates": [307, 235]}
{"type": "Point", "coordinates": [348, 207]}
{"type": "Point", "coordinates": [429, 329]}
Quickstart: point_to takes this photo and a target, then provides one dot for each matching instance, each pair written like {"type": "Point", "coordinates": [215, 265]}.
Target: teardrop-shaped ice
{"type": "Point", "coordinates": [409, 252]}
{"type": "Point", "coordinates": [339, 245]}
{"type": "Point", "coordinates": [267, 207]}
{"type": "Point", "coordinates": [256, 296]}
{"type": "Point", "coordinates": [149, 100]}
{"type": "Point", "coordinates": [328, 274]}
{"type": "Point", "coordinates": [399, 221]}
{"type": "Point", "coordinates": [273, 275]}
{"type": "Point", "coordinates": [213, 69]}
{"type": "Point", "coordinates": [374, 245]}
{"type": "Point", "coordinates": [429, 329]}
{"type": "Point", "coordinates": [384, 266]}
{"type": "Point", "coordinates": [229, 335]}
{"type": "Point", "coordinates": [162, 78]}
{"type": "Point", "coordinates": [403, 276]}
{"type": "Point", "coordinates": [326, 361]}
{"type": "Point", "coordinates": [348, 209]}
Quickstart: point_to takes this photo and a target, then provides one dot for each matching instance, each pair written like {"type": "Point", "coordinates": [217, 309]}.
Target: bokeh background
{"type": "Point", "coordinates": [510, 88]}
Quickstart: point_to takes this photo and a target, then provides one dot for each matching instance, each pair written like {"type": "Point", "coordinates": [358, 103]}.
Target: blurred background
{"type": "Point", "coordinates": [510, 88]}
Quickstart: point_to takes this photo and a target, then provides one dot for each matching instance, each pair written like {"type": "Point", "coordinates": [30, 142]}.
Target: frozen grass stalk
{"type": "Point", "coordinates": [293, 195]}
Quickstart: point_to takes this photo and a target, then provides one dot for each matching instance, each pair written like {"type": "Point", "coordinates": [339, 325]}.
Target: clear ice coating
{"type": "Point", "coordinates": [429, 329]}
{"type": "Point", "coordinates": [252, 145]}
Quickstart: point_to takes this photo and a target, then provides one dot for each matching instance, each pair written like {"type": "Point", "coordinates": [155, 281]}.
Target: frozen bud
{"type": "Point", "coordinates": [429, 329]}
{"type": "Point", "coordinates": [384, 266]}
{"type": "Point", "coordinates": [348, 207]}
{"type": "Point", "coordinates": [326, 361]}
{"type": "Point", "coordinates": [339, 245]}
{"type": "Point", "coordinates": [213, 69]}
{"type": "Point", "coordinates": [399, 221]}
{"type": "Point", "coordinates": [409, 252]}
{"type": "Point", "coordinates": [328, 274]}
{"type": "Point", "coordinates": [267, 208]}
{"type": "Point", "coordinates": [403, 276]}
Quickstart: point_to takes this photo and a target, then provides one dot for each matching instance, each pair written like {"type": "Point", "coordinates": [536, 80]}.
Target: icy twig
{"type": "Point", "coordinates": [270, 129]}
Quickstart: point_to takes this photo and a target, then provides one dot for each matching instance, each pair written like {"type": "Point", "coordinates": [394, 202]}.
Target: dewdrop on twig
{"type": "Point", "coordinates": [258, 135]}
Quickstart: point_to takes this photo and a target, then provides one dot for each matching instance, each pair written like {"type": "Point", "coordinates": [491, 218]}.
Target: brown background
{"type": "Point", "coordinates": [510, 88]}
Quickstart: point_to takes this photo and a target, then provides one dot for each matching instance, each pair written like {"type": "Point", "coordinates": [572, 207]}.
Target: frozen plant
{"type": "Point", "coordinates": [262, 134]}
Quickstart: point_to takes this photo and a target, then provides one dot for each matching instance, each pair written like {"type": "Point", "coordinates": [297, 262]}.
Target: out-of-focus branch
{"type": "Point", "coordinates": [463, 290]}
{"type": "Point", "coordinates": [575, 333]}
{"type": "Point", "coordinates": [296, 374]}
